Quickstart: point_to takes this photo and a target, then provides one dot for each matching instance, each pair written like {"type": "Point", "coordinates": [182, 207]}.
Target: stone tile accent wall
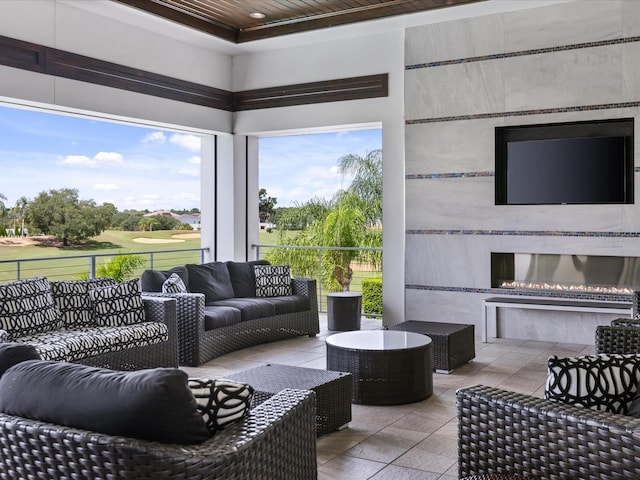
{"type": "Point", "coordinates": [567, 62]}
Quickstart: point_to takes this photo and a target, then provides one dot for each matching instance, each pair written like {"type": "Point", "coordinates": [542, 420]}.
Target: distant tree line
{"type": "Point", "coordinates": [62, 214]}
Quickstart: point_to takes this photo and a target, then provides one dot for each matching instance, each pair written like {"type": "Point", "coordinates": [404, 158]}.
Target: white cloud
{"type": "Point", "coordinates": [84, 161]}
{"type": "Point", "coordinates": [78, 160]}
{"type": "Point", "coordinates": [108, 157]}
{"type": "Point", "coordinates": [151, 196]}
{"type": "Point", "coordinates": [190, 142]}
{"type": "Point", "coordinates": [106, 186]}
{"type": "Point", "coordinates": [195, 160]}
{"type": "Point", "coordinates": [192, 172]}
{"type": "Point", "coordinates": [155, 137]}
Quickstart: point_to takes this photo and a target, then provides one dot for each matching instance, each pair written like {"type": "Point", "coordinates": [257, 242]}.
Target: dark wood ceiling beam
{"type": "Point", "coordinates": [354, 88]}
{"type": "Point", "coordinates": [87, 69]}
{"type": "Point", "coordinates": [184, 18]}
{"type": "Point", "coordinates": [230, 20]}
{"type": "Point", "coordinates": [51, 61]}
{"type": "Point", "coordinates": [344, 17]}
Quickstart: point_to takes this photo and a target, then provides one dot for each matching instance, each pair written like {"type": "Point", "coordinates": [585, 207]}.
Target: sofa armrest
{"type": "Point", "coordinates": [276, 440]}
{"type": "Point", "coordinates": [306, 287]}
{"type": "Point", "coordinates": [507, 432]}
{"type": "Point", "coordinates": [190, 322]}
{"type": "Point", "coordinates": [617, 339]}
{"type": "Point", "coordinates": [163, 310]}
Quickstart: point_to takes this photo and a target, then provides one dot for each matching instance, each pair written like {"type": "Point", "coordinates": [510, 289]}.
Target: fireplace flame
{"type": "Point", "coordinates": [567, 288]}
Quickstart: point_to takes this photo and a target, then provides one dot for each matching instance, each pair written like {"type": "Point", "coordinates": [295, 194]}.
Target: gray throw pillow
{"type": "Point", "coordinates": [212, 279]}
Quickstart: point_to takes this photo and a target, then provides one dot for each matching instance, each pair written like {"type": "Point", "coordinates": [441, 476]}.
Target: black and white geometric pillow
{"type": "Point", "coordinates": [117, 305]}
{"type": "Point", "coordinates": [174, 284]}
{"type": "Point", "coordinates": [27, 307]}
{"type": "Point", "coordinates": [73, 302]}
{"type": "Point", "coordinates": [221, 402]}
{"type": "Point", "coordinates": [606, 382]}
{"type": "Point", "coordinates": [273, 280]}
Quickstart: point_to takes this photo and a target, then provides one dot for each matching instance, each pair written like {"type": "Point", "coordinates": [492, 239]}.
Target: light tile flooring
{"type": "Point", "coordinates": [405, 442]}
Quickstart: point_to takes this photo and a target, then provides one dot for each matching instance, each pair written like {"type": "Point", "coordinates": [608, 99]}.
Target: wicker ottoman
{"type": "Point", "coordinates": [453, 344]}
{"type": "Point", "coordinates": [333, 390]}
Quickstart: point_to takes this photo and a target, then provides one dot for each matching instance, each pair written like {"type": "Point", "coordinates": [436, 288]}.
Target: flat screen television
{"type": "Point", "coordinates": [565, 163]}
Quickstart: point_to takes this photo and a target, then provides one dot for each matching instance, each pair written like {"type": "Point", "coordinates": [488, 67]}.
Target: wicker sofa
{"type": "Point", "coordinates": [587, 427]}
{"type": "Point", "coordinates": [59, 319]}
{"type": "Point", "coordinates": [276, 440]}
{"type": "Point", "coordinates": [234, 315]}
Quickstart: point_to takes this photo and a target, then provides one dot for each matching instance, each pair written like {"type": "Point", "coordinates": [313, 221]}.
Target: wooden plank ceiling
{"type": "Point", "coordinates": [232, 20]}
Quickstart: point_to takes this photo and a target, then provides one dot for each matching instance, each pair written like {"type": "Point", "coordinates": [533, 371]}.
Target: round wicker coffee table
{"type": "Point", "coordinates": [388, 367]}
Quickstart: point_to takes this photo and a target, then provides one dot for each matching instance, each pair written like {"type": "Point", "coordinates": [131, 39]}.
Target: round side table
{"type": "Point", "coordinates": [343, 311]}
{"type": "Point", "coordinates": [388, 367]}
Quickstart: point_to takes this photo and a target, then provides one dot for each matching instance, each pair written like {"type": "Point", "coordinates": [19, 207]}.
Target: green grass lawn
{"type": "Point", "coordinates": [43, 259]}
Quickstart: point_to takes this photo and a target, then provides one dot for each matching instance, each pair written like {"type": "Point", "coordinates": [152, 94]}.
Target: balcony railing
{"type": "Point", "coordinates": [74, 267]}
{"type": "Point", "coordinates": [84, 266]}
{"type": "Point", "coordinates": [361, 270]}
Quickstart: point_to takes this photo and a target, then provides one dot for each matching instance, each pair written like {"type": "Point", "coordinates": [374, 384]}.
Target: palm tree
{"type": "Point", "coordinates": [20, 210]}
{"type": "Point", "coordinates": [147, 223]}
{"type": "Point", "coordinates": [352, 219]}
{"type": "Point", "coordinates": [367, 181]}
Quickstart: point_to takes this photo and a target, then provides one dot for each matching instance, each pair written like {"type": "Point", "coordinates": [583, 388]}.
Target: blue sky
{"type": "Point", "coordinates": [300, 167]}
{"type": "Point", "coordinates": [146, 168]}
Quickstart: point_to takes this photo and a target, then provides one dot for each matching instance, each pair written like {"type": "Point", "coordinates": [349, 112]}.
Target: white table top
{"type": "Point", "coordinates": [378, 340]}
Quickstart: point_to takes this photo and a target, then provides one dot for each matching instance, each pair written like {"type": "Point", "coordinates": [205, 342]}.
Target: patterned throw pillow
{"type": "Point", "coordinates": [27, 307]}
{"type": "Point", "coordinates": [273, 280]}
{"type": "Point", "coordinates": [117, 305]}
{"type": "Point", "coordinates": [174, 284]}
{"type": "Point", "coordinates": [221, 401]}
{"type": "Point", "coordinates": [600, 382]}
{"type": "Point", "coordinates": [73, 302]}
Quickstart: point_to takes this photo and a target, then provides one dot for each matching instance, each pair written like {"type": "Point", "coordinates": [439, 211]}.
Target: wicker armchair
{"type": "Point", "coordinates": [277, 440]}
{"type": "Point", "coordinates": [501, 432]}
{"type": "Point", "coordinates": [622, 336]}
{"type": "Point", "coordinates": [197, 345]}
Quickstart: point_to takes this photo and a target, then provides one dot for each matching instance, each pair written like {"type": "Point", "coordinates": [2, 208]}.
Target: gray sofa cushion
{"type": "Point", "coordinates": [250, 308]}
{"type": "Point", "coordinates": [14, 353]}
{"type": "Point", "coordinates": [154, 404]}
{"type": "Point", "coordinates": [215, 317]}
{"type": "Point", "coordinates": [243, 277]}
{"type": "Point", "coordinates": [152, 280]}
{"type": "Point", "coordinates": [212, 279]}
{"type": "Point", "coordinates": [290, 304]}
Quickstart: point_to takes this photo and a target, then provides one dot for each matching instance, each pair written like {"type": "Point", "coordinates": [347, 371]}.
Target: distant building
{"type": "Point", "coordinates": [161, 213]}
{"type": "Point", "coordinates": [193, 220]}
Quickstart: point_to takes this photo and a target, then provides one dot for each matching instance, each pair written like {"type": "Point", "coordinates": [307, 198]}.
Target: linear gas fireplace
{"type": "Point", "coordinates": [597, 274]}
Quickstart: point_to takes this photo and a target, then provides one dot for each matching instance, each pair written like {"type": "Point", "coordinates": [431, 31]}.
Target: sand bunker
{"type": "Point", "coordinates": [186, 236]}
{"type": "Point", "coordinates": [156, 240]}
{"type": "Point", "coordinates": [16, 241]}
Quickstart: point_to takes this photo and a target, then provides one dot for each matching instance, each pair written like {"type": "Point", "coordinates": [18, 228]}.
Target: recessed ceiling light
{"type": "Point", "coordinates": [257, 15]}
